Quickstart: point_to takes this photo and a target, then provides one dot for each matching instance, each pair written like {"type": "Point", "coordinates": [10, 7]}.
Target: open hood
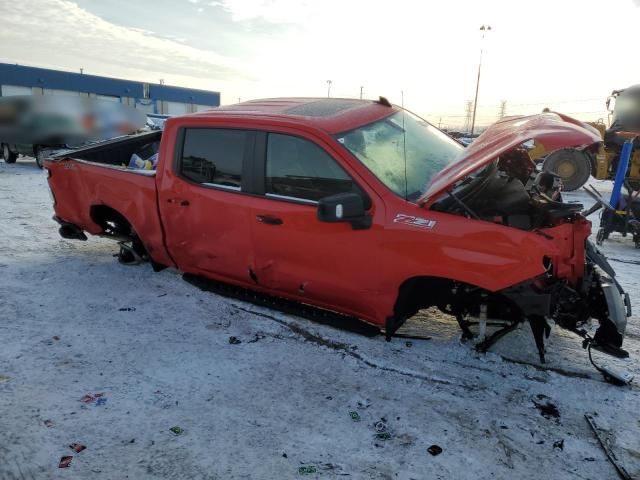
{"type": "Point", "coordinates": [551, 130]}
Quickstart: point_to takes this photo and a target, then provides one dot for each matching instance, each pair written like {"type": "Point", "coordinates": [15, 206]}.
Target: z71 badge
{"type": "Point", "coordinates": [415, 221]}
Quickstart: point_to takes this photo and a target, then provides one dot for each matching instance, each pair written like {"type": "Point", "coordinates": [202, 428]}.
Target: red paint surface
{"type": "Point", "coordinates": [356, 272]}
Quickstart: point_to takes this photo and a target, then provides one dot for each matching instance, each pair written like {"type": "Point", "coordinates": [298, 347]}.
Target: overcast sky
{"type": "Point", "coordinates": [565, 54]}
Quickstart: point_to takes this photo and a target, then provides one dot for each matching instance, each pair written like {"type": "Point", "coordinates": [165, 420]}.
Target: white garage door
{"type": "Point", "coordinates": [11, 90]}
{"type": "Point", "coordinates": [51, 91]}
{"type": "Point", "coordinates": [175, 108]}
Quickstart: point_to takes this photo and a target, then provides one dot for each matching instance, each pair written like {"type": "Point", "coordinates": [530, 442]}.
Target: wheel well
{"type": "Point", "coordinates": [457, 298]}
{"type": "Point", "coordinates": [421, 292]}
{"type": "Point", "coordinates": [112, 222]}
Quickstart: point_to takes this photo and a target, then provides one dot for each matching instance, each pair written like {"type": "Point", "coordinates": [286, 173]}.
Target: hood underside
{"type": "Point", "coordinates": [552, 131]}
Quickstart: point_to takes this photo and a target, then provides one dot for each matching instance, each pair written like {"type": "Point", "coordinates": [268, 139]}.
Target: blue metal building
{"type": "Point", "coordinates": [152, 98]}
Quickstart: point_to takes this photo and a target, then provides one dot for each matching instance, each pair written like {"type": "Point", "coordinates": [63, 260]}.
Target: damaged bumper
{"type": "Point", "coordinates": [618, 305]}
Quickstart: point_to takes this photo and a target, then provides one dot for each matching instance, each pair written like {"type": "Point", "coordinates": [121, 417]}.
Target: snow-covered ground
{"type": "Point", "coordinates": [73, 321]}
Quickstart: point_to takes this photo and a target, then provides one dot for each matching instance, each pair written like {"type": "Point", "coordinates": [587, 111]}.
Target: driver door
{"type": "Point", "coordinates": [328, 264]}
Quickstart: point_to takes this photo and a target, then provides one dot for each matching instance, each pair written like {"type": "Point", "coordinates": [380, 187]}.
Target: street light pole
{"type": "Point", "coordinates": [484, 29]}
{"type": "Point", "coordinates": [329, 82]}
{"type": "Point", "coordinates": [361, 89]}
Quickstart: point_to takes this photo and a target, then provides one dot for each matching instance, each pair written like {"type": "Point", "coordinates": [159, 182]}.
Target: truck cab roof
{"type": "Point", "coordinates": [332, 115]}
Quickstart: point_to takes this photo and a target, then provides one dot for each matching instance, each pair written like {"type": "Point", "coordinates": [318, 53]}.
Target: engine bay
{"type": "Point", "coordinates": [511, 191]}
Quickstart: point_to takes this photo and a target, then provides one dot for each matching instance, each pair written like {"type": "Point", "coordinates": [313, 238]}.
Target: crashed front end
{"type": "Point", "coordinates": [497, 181]}
{"type": "Point", "coordinates": [581, 285]}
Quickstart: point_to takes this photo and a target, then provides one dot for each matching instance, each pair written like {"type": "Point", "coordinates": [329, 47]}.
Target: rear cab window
{"type": "Point", "coordinates": [213, 156]}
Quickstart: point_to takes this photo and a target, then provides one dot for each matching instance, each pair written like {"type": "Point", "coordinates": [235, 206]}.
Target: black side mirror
{"type": "Point", "coordinates": [344, 207]}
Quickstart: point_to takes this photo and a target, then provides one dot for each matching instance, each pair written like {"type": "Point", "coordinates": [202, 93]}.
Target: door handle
{"type": "Point", "coordinates": [269, 220]}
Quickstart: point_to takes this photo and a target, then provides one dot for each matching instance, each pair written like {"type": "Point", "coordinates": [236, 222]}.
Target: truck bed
{"type": "Point", "coordinates": [93, 186]}
{"type": "Point", "coordinates": [115, 152]}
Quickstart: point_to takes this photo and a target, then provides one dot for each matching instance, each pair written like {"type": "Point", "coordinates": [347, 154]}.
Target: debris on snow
{"type": "Point", "coordinates": [89, 398]}
{"type": "Point", "coordinates": [307, 470]}
{"type": "Point", "coordinates": [547, 409]}
{"type": "Point", "coordinates": [434, 450]}
{"type": "Point", "coordinates": [77, 447]}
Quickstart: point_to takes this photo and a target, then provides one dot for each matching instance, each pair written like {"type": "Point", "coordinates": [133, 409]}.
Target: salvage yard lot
{"type": "Point", "coordinates": [280, 403]}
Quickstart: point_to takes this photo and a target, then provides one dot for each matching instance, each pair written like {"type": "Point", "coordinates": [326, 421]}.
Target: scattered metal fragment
{"type": "Point", "coordinates": [307, 470]}
{"type": "Point", "coordinates": [383, 436]}
{"type": "Point", "coordinates": [56, 337]}
{"type": "Point", "coordinates": [355, 416]}
{"type": "Point", "coordinates": [177, 430]}
{"type": "Point", "coordinates": [559, 444]}
{"type": "Point", "coordinates": [100, 401]}
{"type": "Point", "coordinates": [234, 340]}
{"type": "Point", "coordinates": [48, 423]}
{"type": "Point", "coordinates": [65, 461]}
{"type": "Point", "coordinates": [127, 309]}
{"type": "Point", "coordinates": [77, 447]}
{"type": "Point", "coordinates": [605, 442]}
{"type": "Point", "coordinates": [408, 344]}
{"type": "Point", "coordinates": [434, 450]}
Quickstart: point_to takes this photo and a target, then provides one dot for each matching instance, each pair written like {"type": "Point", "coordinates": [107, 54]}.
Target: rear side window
{"type": "Point", "coordinates": [213, 156]}
{"type": "Point", "coordinates": [298, 168]}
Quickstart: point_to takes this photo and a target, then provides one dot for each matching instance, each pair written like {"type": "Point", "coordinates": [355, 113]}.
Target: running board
{"type": "Point", "coordinates": [318, 315]}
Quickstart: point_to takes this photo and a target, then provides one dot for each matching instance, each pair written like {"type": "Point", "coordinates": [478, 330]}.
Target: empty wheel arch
{"type": "Point", "coordinates": [451, 297]}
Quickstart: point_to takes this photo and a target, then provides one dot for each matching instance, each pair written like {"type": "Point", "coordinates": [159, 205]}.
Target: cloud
{"type": "Point", "coordinates": [59, 33]}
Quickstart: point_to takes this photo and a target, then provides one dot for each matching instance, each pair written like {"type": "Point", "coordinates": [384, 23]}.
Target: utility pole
{"type": "Point", "coordinates": [361, 89]}
{"type": "Point", "coordinates": [467, 114]}
{"type": "Point", "coordinates": [484, 29]}
{"type": "Point", "coordinates": [329, 82]}
{"type": "Point", "coordinates": [503, 109]}
{"type": "Point", "coordinates": [81, 70]}
{"type": "Point", "coordinates": [439, 123]}
{"type": "Point", "coordinates": [162, 81]}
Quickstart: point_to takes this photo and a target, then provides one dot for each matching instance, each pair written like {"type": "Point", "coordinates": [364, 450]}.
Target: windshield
{"type": "Point", "coordinates": [384, 145]}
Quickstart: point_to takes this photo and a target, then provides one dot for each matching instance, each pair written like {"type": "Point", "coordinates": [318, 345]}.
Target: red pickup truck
{"type": "Point", "coordinates": [356, 207]}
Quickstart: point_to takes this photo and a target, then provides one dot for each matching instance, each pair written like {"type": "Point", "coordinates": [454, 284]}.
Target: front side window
{"type": "Point", "coordinates": [213, 156]}
{"type": "Point", "coordinates": [403, 151]}
{"type": "Point", "coordinates": [298, 168]}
